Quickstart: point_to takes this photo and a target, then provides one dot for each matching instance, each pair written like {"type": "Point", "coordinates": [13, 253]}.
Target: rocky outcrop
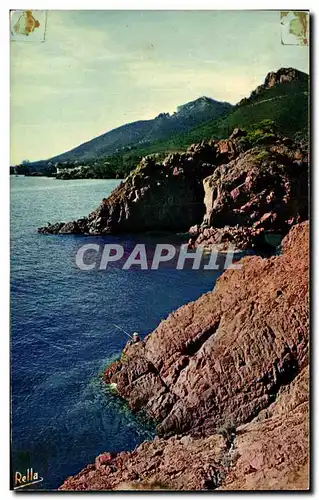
{"type": "Point", "coordinates": [226, 380]}
{"type": "Point", "coordinates": [167, 196]}
{"type": "Point", "coordinates": [153, 197]}
{"type": "Point", "coordinates": [282, 76]}
{"type": "Point", "coordinates": [272, 452]}
{"type": "Point", "coordinates": [225, 356]}
{"type": "Point", "coordinates": [269, 453]}
{"type": "Point", "coordinates": [176, 463]}
{"type": "Point", "coordinates": [225, 191]}
{"type": "Point", "coordinates": [264, 190]}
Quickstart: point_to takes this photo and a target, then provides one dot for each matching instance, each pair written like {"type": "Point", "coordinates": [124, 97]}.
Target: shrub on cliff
{"type": "Point", "coordinates": [228, 431]}
{"type": "Point", "coordinates": [263, 132]}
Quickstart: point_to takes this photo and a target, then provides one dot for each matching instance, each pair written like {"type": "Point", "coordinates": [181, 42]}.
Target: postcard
{"type": "Point", "coordinates": [159, 187]}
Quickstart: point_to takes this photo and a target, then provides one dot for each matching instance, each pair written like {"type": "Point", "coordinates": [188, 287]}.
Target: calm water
{"type": "Point", "coordinates": [63, 334]}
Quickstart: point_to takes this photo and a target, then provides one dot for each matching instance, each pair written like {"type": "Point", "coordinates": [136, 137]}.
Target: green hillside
{"type": "Point", "coordinates": [286, 104]}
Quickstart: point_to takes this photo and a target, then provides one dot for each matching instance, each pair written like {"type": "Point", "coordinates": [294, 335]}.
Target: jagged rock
{"type": "Point", "coordinates": [75, 227]}
{"type": "Point", "coordinates": [167, 196]}
{"type": "Point", "coordinates": [260, 191]}
{"type": "Point", "coordinates": [103, 460]}
{"type": "Point", "coordinates": [283, 75]}
{"type": "Point", "coordinates": [269, 453]}
{"type": "Point", "coordinates": [235, 365]}
{"type": "Point", "coordinates": [171, 464]}
{"type": "Point", "coordinates": [70, 228]}
{"type": "Point", "coordinates": [111, 370]}
{"type": "Point", "coordinates": [273, 450]}
{"type": "Point", "coordinates": [226, 356]}
{"type": "Point", "coordinates": [241, 238]}
{"type": "Point", "coordinates": [51, 228]}
{"type": "Point", "coordinates": [153, 197]}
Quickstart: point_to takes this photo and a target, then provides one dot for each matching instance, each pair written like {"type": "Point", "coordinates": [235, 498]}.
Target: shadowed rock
{"type": "Point", "coordinates": [167, 196]}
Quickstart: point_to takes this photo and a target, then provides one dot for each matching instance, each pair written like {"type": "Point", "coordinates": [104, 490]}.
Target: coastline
{"type": "Point", "coordinates": [160, 301]}
{"type": "Point", "coordinates": [201, 421]}
{"type": "Point", "coordinates": [227, 359]}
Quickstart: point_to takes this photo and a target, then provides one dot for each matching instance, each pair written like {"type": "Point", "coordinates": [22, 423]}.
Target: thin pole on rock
{"type": "Point", "coordinates": [119, 328]}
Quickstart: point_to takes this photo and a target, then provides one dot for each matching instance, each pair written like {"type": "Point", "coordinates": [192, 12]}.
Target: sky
{"type": "Point", "coordinates": [97, 70]}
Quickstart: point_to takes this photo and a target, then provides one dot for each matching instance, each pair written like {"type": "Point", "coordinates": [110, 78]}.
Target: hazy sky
{"type": "Point", "coordinates": [100, 69]}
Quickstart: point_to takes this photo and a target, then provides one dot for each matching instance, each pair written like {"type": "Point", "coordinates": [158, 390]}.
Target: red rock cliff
{"type": "Point", "coordinates": [226, 355]}
{"type": "Point", "coordinates": [226, 378]}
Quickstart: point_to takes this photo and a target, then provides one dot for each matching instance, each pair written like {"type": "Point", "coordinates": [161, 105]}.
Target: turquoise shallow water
{"type": "Point", "coordinates": [63, 334]}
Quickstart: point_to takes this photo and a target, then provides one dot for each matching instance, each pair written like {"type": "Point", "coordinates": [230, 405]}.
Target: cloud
{"type": "Point", "coordinates": [65, 47]}
{"type": "Point", "coordinates": [100, 69]}
{"type": "Point", "coordinates": [222, 83]}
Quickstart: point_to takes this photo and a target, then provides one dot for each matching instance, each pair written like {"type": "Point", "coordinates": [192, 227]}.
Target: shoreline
{"type": "Point", "coordinates": [224, 360]}
{"type": "Point", "coordinates": [224, 445]}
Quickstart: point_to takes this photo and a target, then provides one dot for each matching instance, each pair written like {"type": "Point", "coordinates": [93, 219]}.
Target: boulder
{"type": "Point", "coordinates": [51, 228]}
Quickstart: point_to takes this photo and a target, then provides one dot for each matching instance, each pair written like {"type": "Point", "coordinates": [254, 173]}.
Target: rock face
{"type": "Point", "coordinates": [167, 196]}
{"type": "Point", "coordinates": [177, 463]}
{"type": "Point", "coordinates": [273, 450]}
{"type": "Point", "coordinates": [214, 184]}
{"type": "Point", "coordinates": [225, 356]}
{"type": "Point", "coordinates": [153, 197]}
{"type": "Point", "coordinates": [269, 453]}
{"type": "Point", "coordinates": [262, 190]}
{"type": "Point", "coordinates": [226, 380]}
{"type": "Point", "coordinates": [283, 75]}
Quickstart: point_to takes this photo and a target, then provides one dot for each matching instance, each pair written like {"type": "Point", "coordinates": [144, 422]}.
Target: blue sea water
{"type": "Point", "coordinates": [63, 333]}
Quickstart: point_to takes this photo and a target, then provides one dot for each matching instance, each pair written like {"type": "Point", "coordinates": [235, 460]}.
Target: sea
{"type": "Point", "coordinates": [67, 324]}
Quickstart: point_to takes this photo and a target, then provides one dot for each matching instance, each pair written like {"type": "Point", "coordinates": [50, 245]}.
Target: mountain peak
{"type": "Point", "coordinates": [279, 77]}
{"type": "Point", "coordinates": [142, 132]}
{"type": "Point", "coordinates": [200, 104]}
{"type": "Point", "coordinates": [284, 75]}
